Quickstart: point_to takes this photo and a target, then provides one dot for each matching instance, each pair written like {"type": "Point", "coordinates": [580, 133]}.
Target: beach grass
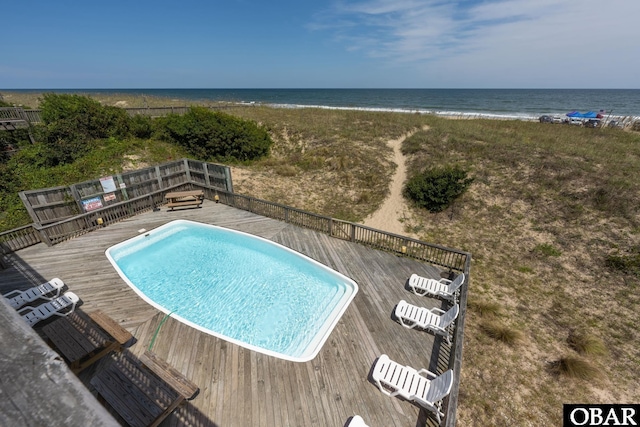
{"type": "Point", "coordinates": [586, 344]}
{"type": "Point", "coordinates": [575, 367]}
{"type": "Point", "coordinates": [552, 221]}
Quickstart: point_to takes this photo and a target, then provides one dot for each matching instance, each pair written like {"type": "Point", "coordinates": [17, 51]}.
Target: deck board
{"type": "Point", "coordinates": [240, 387]}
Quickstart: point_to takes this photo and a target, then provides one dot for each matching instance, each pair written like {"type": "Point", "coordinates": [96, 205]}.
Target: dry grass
{"type": "Point", "coordinates": [548, 205]}
{"type": "Point", "coordinates": [586, 344]}
{"type": "Point", "coordinates": [574, 367]}
{"type": "Point", "coordinates": [484, 308]}
{"type": "Point", "coordinates": [501, 332]}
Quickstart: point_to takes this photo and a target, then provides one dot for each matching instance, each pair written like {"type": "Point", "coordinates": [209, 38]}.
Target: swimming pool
{"type": "Point", "coordinates": [235, 286]}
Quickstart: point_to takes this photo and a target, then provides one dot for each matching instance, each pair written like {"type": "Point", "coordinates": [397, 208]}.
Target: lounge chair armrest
{"type": "Point", "coordinates": [445, 281]}
{"type": "Point", "coordinates": [428, 373]}
{"type": "Point", "coordinates": [437, 310]}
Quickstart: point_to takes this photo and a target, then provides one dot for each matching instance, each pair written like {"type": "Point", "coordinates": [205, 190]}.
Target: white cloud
{"type": "Point", "coordinates": [574, 42]}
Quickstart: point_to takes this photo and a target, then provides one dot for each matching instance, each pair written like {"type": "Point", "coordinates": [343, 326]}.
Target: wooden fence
{"type": "Point", "coordinates": [451, 259]}
{"type": "Point", "coordinates": [82, 223]}
{"type": "Point", "coordinates": [52, 205]}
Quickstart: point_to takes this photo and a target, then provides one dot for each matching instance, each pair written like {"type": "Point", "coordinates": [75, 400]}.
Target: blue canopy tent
{"type": "Point", "coordinates": [587, 115]}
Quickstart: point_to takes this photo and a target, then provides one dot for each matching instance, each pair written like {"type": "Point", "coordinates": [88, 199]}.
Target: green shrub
{"type": "Point", "coordinates": [436, 188]}
{"type": "Point", "coordinates": [72, 122]}
{"type": "Point", "coordinates": [214, 135]}
{"type": "Point", "coordinates": [141, 126]}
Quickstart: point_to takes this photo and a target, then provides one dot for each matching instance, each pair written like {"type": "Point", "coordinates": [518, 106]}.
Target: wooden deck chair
{"type": "Point", "coordinates": [60, 306]}
{"type": "Point", "coordinates": [443, 288]}
{"type": "Point", "coordinates": [145, 391]}
{"type": "Point", "coordinates": [47, 291]}
{"type": "Point", "coordinates": [435, 320]}
{"type": "Point", "coordinates": [422, 387]}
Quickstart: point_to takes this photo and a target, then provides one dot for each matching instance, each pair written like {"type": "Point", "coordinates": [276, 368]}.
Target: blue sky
{"type": "Point", "coordinates": [322, 44]}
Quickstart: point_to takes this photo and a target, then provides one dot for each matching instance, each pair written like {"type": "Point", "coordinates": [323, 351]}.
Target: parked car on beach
{"type": "Point", "coordinates": [549, 119]}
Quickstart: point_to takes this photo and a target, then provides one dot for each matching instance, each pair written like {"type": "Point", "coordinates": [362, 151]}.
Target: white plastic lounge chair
{"type": "Point", "coordinates": [48, 291]}
{"type": "Point", "coordinates": [434, 320]}
{"type": "Point", "coordinates": [443, 288]}
{"type": "Point", "coordinates": [60, 306]}
{"type": "Point", "coordinates": [357, 421]}
{"type": "Point", "coordinates": [422, 387]}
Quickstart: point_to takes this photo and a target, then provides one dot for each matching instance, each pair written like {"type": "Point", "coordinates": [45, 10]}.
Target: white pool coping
{"type": "Point", "coordinates": [312, 349]}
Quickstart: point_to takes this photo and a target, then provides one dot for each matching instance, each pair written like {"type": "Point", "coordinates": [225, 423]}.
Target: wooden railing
{"type": "Point", "coordinates": [451, 259]}
{"type": "Point", "coordinates": [51, 234]}
{"type": "Point", "coordinates": [13, 114]}
{"type": "Point", "coordinates": [18, 238]}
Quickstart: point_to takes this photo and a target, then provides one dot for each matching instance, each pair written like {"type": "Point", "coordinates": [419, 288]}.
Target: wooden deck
{"type": "Point", "coordinates": [240, 387]}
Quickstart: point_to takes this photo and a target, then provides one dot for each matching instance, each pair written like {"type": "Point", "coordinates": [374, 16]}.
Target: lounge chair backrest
{"type": "Point", "coordinates": [450, 316]}
{"type": "Point", "coordinates": [440, 387]}
{"type": "Point", "coordinates": [456, 283]}
{"type": "Point", "coordinates": [64, 301]}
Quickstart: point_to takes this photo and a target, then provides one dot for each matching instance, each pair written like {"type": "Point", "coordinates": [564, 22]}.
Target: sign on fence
{"type": "Point", "coordinates": [108, 185]}
{"type": "Point", "coordinates": [92, 204]}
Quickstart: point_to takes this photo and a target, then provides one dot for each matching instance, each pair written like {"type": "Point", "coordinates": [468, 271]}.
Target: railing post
{"type": "Point", "coordinates": [205, 167]}
{"type": "Point", "coordinates": [27, 204]}
{"type": "Point", "coordinates": [353, 232]}
{"type": "Point", "coordinates": [44, 237]}
{"type": "Point", "coordinates": [228, 182]}
{"type": "Point", "coordinates": [76, 196]}
{"type": "Point", "coordinates": [159, 178]}
{"type": "Point", "coordinates": [187, 171]}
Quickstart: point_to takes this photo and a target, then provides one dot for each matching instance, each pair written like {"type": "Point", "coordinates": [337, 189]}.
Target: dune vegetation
{"type": "Point", "coordinates": [551, 218]}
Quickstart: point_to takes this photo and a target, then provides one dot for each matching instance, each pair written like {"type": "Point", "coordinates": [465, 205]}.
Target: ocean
{"type": "Point", "coordinates": [500, 103]}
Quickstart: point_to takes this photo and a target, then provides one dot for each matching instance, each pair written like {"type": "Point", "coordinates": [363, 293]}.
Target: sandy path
{"type": "Point", "coordinates": [394, 208]}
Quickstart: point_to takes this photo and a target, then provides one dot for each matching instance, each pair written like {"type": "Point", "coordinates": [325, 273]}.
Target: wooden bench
{"type": "Point", "coordinates": [184, 198]}
{"type": "Point", "coordinates": [82, 338]}
{"type": "Point", "coordinates": [142, 391]}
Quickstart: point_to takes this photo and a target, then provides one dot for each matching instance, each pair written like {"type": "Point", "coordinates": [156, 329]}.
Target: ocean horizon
{"type": "Point", "coordinates": [500, 103]}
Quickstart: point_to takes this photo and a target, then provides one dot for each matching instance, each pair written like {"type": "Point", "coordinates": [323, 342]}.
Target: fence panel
{"type": "Point", "coordinates": [173, 173]}
{"type": "Point", "coordinates": [49, 205]}
{"type": "Point", "coordinates": [140, 183]}
{"type": "Point", "coordinates": [86, 222]}
{"type": "Point", "coordinates": [19, 238]}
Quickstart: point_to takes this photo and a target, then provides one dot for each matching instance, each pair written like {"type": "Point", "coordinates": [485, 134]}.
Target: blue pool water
{"type": "Point", "coordinates": [238, 287]}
